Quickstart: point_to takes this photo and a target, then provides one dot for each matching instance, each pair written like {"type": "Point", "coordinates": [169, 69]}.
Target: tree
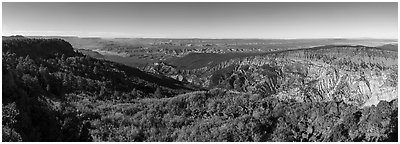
{"type": "Point", "coordinates": [157, 93]}
{"type": "Point", "coordinates": [85, 134]}
{"type": "Point", "coordinates": [65, 80]}
{"type": "Point", "coordinates": [116, 95]}
{"type": "Point", "coordinates": [27, 58]}
{"type": "Point", "coordinates": [48, 88]}
{"type": "Point", "coordinates": [134, 93]}
{"type": "Point", "coordinates": [95, 70]}
{"type": "Point", "coordinates": [102, 92]}
{"type": "Point", "coordinates": [63, 57]}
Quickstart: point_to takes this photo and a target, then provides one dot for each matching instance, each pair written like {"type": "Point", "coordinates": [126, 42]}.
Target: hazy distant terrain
{"type": "Point", "coordinates": [241, 90]}
{"type": "Point", "coordinates": [139, 51]}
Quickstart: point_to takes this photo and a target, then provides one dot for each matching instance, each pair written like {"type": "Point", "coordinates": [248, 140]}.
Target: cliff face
{"type": "Point", "coordinates": [321, 82]}
{"type": "Point", "coordinates": [351, 74]}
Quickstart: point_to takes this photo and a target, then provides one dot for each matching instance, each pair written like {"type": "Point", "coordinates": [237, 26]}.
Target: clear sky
{"type": "Point", "coordinates": [203, 20]}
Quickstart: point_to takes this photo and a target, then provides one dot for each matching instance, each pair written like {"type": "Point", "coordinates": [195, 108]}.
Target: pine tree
{"type": "Point", "coordinates": [63, 57]}
{"type": "Point", "coordinates": [102, 92]}
{"type": "Point", "coordinates": [27, 58]}
{"type": "Point", "coordinates": [95, 70]}
{"type": "Point", "coordinates": [48, 88]}
{"type": "Point", "coordinates": [157, 93]}
{"type": "Point", "coordinates": [116, 95]}
{"type": "Point", "coordinates": [133, 92]}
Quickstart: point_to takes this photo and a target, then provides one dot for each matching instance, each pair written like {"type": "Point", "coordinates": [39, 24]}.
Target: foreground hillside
{"type": "Point", "coordinates": [52, 93]}
{"type": "Point", "coordinates": [40, 77]}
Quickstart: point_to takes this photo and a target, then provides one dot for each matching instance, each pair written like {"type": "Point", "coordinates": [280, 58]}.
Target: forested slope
{"type": "Point", "coordinates": [41, 76]}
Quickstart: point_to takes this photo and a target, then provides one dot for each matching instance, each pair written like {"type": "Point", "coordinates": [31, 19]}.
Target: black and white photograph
{"type": "Point", "coordinates": [224, 71]}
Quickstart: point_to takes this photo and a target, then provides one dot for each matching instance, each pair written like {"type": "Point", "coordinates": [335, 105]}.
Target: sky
{"type": "Point", "coordinates": [265, 20]}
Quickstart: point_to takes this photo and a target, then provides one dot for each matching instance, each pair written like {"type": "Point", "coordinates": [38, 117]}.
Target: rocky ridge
{"type": "Point", "coordinates": [356, 75]}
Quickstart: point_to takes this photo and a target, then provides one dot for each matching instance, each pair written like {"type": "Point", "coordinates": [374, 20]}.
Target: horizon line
{"type": "Point", "coordinates": [195, 37]}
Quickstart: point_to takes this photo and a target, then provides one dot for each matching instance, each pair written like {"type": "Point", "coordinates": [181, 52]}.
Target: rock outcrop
{"type": "Point", "coordinates": [351, 74]}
